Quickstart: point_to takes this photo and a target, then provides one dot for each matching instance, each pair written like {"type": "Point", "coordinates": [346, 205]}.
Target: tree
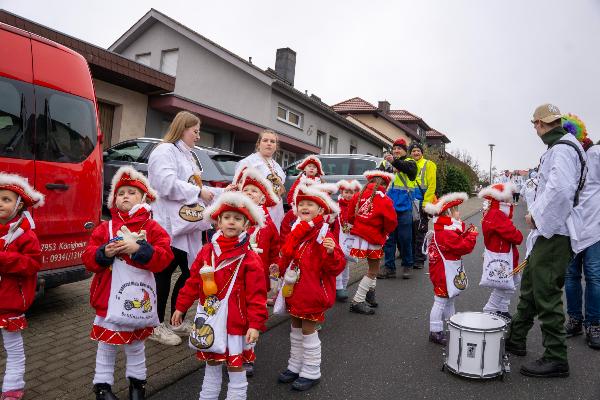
{"type": "Point", "coordinates": [456, 181]}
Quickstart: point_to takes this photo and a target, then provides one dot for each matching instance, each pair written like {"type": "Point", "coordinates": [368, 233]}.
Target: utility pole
{"type": "Point", "coordinates": [491, 155]}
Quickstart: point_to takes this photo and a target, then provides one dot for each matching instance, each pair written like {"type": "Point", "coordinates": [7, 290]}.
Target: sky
{"type": "Point", "coordinates": [473, 69]}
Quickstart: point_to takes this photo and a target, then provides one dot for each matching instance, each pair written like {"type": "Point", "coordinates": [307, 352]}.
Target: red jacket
{"type": "Point", "coordinates": [95, 260]}
{"type": "Point", "coordinates": [248, 299]}
{"type": "Point", "coordinates": [286, 225]}
{"type": "Point", "coordinates": [314, 292]}
{"type": "Point", "coordinates": [374, 221]}
{"type": "Point", "coordinates": [267, 240]}
{"type": "Point", "coordinates": [499, 234]}
{"type": "Point", "coordinates": [301, 178]}
{"type": "Point", "coordinates": [454, 245]}
{"type": "Point", "coordinates": [19, 265]}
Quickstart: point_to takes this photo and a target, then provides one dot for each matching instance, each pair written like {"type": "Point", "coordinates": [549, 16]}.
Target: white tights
{"type": "Point", "coordinates": [107, 355]}
{"type": "Point", "coordinates": [443, 308]}
{"type": "Point", "coordinates": [211, 386]}
{"type": "Point", "coordinates": [15, 361]}
{"type": "Point", "coordinates": [341, 281]}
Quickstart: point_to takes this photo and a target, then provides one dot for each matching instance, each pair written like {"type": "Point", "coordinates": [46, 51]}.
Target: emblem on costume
{"type": "Point", "coordinates": [202, 336]}
{"type": "Point", "coordinates": [461, 280]}
{"type": "Point", "coordinates": [192, 213]}
{"type": "Point", "coordinates": [277, 184]}
{"type": "Point", "coordinates": [499, 269]}
{"type": "Point", "coordinates": [145, 304]}
{"type": "Point", "coordinates": [346, 228]}
{"type": "Point", "coordinates": [211, 304]}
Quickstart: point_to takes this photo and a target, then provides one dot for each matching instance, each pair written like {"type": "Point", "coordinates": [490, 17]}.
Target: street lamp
{"type": "Point", "coordinates": [491, 155]}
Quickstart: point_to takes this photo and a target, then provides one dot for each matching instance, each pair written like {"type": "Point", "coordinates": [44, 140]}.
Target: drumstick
{"type": "Point", "coordinates": [519, 268]}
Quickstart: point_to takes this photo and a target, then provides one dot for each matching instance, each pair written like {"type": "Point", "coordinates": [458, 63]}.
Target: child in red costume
{"type": "Point", "coordinates": [312, 170]}
{"type": "Point", "coordinates": [133, 242]}
{"type": "Point", "coordinates": [501, 238]}
{"type": "Point", "coordinates": [228, 255]}
{"type": "Point", "coordinates": [290, 217]}
{"type": "Point", "coordinates": [310, 261]}
{"type": "Point", "coordinates": [20, 260]}
{"type": "Point", "coordinates": [372, 217]}
{"type": "Point", "coordinates": [341, 230]}
{"type": "Point", "coordinates": [264, 241]}
{"type": "Point", "coordinates": [446, 245]}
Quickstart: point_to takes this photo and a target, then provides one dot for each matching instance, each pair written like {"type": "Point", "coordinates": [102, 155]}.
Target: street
{"type": "Point", "coordinates": [388, 356]}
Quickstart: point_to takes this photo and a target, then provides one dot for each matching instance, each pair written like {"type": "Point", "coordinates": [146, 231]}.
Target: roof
{"type": "Point", "coordinates": [403, 115]}
{"type": "Point", "coordinates": [104, 64]}
{"type": "Point", "coordinates": [355, 104]}
{"type": "Point", "coordinates": [153, 16]}
{"type": "Point", "coordinates": [434, 134]}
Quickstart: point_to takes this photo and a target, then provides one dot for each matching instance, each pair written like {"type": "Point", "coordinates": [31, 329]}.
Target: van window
{"type": "Point", "coordinates": [66, 126]}
{"type": "Point", "coordinates": [361, 165]}
{"type": "Point", "coordinates": [129, 152]}
{"type": "Point", "coordinates": [336, 166]}
{"type": "Point", "coordinates": [16, 119]}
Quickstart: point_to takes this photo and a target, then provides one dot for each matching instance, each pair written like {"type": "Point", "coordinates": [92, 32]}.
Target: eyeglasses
{"type": "Point", "coordinates": [534, 122]}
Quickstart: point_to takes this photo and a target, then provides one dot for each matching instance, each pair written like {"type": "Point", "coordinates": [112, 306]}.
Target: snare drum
{"type": "Point", "coordinates": [475, 346]}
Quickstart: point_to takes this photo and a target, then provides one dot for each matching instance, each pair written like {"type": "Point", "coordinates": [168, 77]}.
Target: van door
{"type": "Point", "coordinates": [17, 107]}
{"type": "Point", "coordinates": [68, 166]}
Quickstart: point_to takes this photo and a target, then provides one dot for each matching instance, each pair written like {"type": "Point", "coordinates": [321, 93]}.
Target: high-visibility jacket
{"type": "Point", "coordinates": [425, 180]}
{"type": "Point", "coordinates": [401, 191]}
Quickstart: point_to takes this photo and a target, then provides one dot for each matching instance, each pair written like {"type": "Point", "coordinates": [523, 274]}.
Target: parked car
{"type": "Point", "coordinates": [49, 133]}
{"type": "Point", "coordinates": [218, 166]}
{"type": "Point", "coordinates": [337, 167]}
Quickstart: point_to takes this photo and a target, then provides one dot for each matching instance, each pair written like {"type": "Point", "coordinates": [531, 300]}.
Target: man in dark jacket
{"type": "Point", "coordinates": [401, 192]}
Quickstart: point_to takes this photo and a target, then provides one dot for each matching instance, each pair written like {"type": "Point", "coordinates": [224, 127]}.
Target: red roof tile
{"type": "Point", "coordinates": [355, 104]}
{"type": "Point", "coordinates": [403, 115]}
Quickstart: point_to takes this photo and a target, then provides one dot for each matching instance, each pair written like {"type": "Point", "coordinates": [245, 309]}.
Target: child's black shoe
{"type": "Point", "coordinates": [103, 391]}
{"type": "Point", "coordinates": [287, 376]}
{"type": "Point", "coordinates": [302, 384]}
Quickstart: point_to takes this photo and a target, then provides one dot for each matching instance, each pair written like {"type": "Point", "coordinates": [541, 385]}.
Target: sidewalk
{"type": "Point", "coordinates": [61, 356]}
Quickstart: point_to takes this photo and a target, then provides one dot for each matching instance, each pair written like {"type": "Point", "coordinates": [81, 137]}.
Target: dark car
{"type": "Point", "coordinates": [337, 167]}
{"type": "Point", "coordinates": [218, 166]}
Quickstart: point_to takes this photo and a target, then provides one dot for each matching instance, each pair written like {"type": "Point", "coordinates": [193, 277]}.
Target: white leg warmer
{"type": "Point", "coordinates": [311, 367]}
{"type": "Point", "coordinates": [238, 386]}
{"type": "Point", "coordinates": [449, 309]}
{"type": "Point", "coordinates": [136, 360]}
{"type": "Point", "coordinates": [296, 350]}
{"type": "Point", "coordinates": [363, 288]}
{"type": "Point", "coordinates": [15, 361]}
{"type": "Point", "coordinates": [373, 283]}
{"type": "Point", "coordinates": [341, 281]}
{"type": "Point", "coordinates": [436, 321]}
{"type": "Point", "coordinates": [494, 302]}
{"type": "Point", "coordinates": [211, 386]}
{"type": "Point", "coordinates": [105, 363]}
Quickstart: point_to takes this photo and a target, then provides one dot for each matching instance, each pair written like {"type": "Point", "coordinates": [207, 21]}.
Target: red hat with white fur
{"type": "Point", "coordinates": [304, 192]}
{"type": "Point", "coordinates": [445, 202]}
{"type": "Point", "coordinates": [386, 176]}
{"type": "Point", "coordinates": [128, 176]}
{"type": "Point", "coordinates": [329, 188]}
{"type": "Point", "coordinates": [349, 185]}
{"type": "Point", "coordinates": [498, 192]}
{"type": "Point", "coordinates": [238, 202]}
{"type": "Point", "coordinates": [20, 185]}
{"type": "Point", "coordinates": [311, 160]}
{"type": "Point", "coordinates": [252, 176]}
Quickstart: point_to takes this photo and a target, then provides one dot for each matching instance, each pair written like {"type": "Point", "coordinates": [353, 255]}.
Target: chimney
{"type": "Point", "coordinates": [285, 64]}
{"type": "Point", "coordinates": [384, 106]}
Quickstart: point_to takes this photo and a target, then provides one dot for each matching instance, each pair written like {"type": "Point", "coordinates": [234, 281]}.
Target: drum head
{"type": "Point", "coordinates": [478, 320]}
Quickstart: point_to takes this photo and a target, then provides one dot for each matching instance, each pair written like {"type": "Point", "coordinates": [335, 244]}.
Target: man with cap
{"type": "Point", "coordinates": [425, 185]}
{"type": "Point", "coordinates": [560, 175]}
{"type": "Point", "coordinates": [401, 192]}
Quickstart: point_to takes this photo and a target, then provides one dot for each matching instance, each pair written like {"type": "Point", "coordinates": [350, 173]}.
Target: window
{"type": "Point", "coordinates": [168, 61]}
{"type": "Point", "coordinates": [336, 166]}
{"type": "Point", "coordinates": [353, 146]}
{"type": "Point", "coordinates": [288, 116]}
{"type": "Point", "coordinates": [66, 126]}
{"type": "Point", "coordinates": [332, 145]}
{"type": "Point", "coordinates": [143, 58]}
{"type": "Point", "coordinates": [127, 152]}
{"type": "Point", "coordinates": [285, 158]}
{"type": "Point", "coordinates": [16, 119]}
{"type": "Point", "coordinates": [420, 133]}
{"type": "Point", "coordinates": [106, 116]}
{"type": "Point", "coordinates": [359, 166]}
{"type": "Point", "coordinates": [321, 136]}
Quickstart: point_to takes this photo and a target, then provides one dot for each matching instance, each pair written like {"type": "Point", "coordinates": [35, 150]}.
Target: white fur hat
{"type": "Point", "coordinates": [128, 176]}
{"type": "Point", "coordinates": [329, 188]}
{"type": "Point", "coordinates": [349, 185]}
{"type": "Point", "coordinates": [238, 202]}
{"type": "Point", "coordinates": [20, 185]}
{"type": "Point", "coordinates": [304, 192]}
{"type": "Point", "coordinates": [498, 191]}
{"type": "Point", "coordinates": [386, 176]}
{"type": "Point", "coordinates": [445, 202]}
{"type": "Point", "coordinates": [252, 176]}
{"type": "Point", "coordinates": [312, 159]}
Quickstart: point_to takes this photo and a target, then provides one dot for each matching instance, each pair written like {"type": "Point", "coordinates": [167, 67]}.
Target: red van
{"type": "Point", "coordinates": [49, 133]}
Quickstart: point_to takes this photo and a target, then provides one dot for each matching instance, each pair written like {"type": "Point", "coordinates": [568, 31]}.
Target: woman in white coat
{"type": "Point", "coordinates": [176, 174]}
{"type": "Point", "coordinates": [266, 146]}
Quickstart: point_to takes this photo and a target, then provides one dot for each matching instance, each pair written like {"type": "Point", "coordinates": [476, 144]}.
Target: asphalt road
{"type": "Point", "coordinates": [387, 355]}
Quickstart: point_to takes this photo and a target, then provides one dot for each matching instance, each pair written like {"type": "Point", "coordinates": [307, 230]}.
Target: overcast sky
{"type": "Point", "coordinates": [473, 69]}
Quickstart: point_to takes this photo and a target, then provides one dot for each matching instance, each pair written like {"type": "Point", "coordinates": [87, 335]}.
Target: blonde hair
{"type": "Point", "coordinates": [182, 121]}
{"type": "Point", "coordinates": [267, 132]}
{"type": "Point", "coordinates": [379, 181]}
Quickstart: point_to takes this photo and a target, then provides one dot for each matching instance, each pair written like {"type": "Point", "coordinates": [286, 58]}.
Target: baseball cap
{"type": "Point", "coordinates": [546, 113]}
